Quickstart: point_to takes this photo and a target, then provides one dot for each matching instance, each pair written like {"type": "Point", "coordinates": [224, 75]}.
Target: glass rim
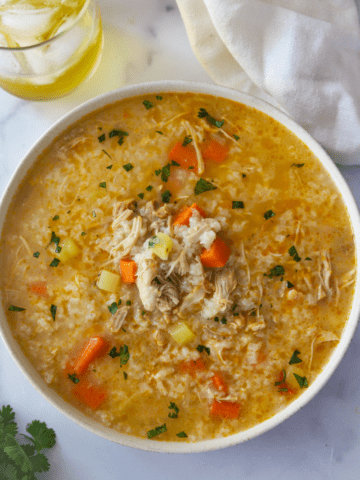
{"type": "Point", "coordinates": [49, 40]}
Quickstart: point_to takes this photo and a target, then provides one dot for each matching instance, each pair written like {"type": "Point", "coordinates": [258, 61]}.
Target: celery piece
{"type": "Point", "coordinates": [108, 281]}
{"type": "Point", "coordinates": [181, 333]}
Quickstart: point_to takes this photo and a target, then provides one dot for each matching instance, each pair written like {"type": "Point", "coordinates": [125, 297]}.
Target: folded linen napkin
{"type": "Point", "coordinates": [303, 56]}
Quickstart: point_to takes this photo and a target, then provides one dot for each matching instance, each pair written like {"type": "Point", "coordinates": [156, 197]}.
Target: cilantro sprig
{"type": "Point", "coordinates": [204, 114]}
{"type": "Point", "coordinates": [23, 460]}
{"type": "Point", "coordinates": [156, 431]}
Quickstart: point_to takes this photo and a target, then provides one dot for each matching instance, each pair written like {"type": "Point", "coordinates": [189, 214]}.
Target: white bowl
{"type": "Point", "coordinates": [180, 86]}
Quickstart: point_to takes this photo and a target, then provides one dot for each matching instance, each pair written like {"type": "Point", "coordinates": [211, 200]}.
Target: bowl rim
{"type": "Point", "coordinates": [174, 86]}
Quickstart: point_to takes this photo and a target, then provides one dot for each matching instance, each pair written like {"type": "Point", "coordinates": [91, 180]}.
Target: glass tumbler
{"type": "Point", "coordinates": [48, 47]}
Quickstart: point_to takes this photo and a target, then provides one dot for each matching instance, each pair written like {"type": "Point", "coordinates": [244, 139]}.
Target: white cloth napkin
{"type": "Point", "coordinates": [302, 56]}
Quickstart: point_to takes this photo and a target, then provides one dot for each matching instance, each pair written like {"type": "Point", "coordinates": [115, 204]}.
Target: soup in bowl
{"type": "Point", "coordinates": [181, 266]}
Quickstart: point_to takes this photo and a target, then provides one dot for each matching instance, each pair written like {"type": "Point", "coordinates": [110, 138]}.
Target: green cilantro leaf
{"type": "Point", "coordinates": [187, 140]}
{"type": "Point", "coordinates": [175, 164]}
{"type": "Point", "coordinates": [109, 167]}
{"type": "Point", "coordinates": [276, 271]}
{"type": "Point", "coordinates": [102, 185]}
{"type": "Point", "coordinates": [156, 431]}
{"type": "Point", "coordinates": [237, 204]}
{"type": "Point", "coordinates": [124, 354]}
{"type": "Point", "coordinates": [173, 414]}
{"type": "Point", "coordinates": [204, 114]}
{"type": "Point", "coordinates": [295, 359]}
{"type": "Point", "coordinates": [118, 133]}
{"type": "Point", "coordinates": [158, 131]}
{"type": "Point", "coordinates": [294, 254]}
{"type": "Point", "coordinates": [53, 309]}
{"type": "Point", "coordinates": [113, 308]}
{"type": "Point", "coordinates": [223, 321]}
{"type": "Point", "coordinates": [268, 214]}
{"type": "Point", "coordinates": [203, 186]}
{"type": "Point", "coordinates": [73, 377]}
{"type": "Point", "coordinates": [148, 104]}
{"type": "Point", "coordinates": [128, 167]}
{"type": "Point", "coordinates": [106, 153]}
{"type": "Point", "coordinates": [201, 348]}
{"type": "Point", "coordinates": [165, 173]}
{"type": "Point", "coordinates": [298, 165]}
{"type": "Point", "coordinates": [149, 188]}
{"type": "Point", "coordinates": [308, 258]}
{"type": "Point", "coordinates": [181, 435]}
{"type": "Point", "coordinates": [141, 195]}
{"type": "Point", "coordinates": [12, 308]}
{"type": "Point", "coordinates": [55, 262]}
{"type": "Point", "coordinates": [102, 138]}
{"type": "Point", "coordinates": [158, 97]}
{"type": "Point", "coordinates": [43, 437]}
{"type": "Point", "coordinates": [165, 196]}
{"type": "Point", "coordinates": [289, 284]}
{"type": "Point", "coordinates": [56, 218]}
{"type": "Point", "coordinates": [125, 375]}
{"type": "Point", "coordinates": [302, 381]}
{"type": "Point", "coordinates": [36, 254]}
{"type": "Point", "coordinates": [236, 137]}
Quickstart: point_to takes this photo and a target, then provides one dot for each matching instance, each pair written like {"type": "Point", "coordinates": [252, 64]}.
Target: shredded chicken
{"type": "Point", "coordinates": [190, 129]}
{"type": "Point", "coordinates": [196, 296]}
{"type": "Point", "coordinates": [147, 270]}
{"type": "Point", "coordinates": [116, 321]}
{"type": "Point", "coordinates": [181, 264]}
{"type": "Point", "coordinates": [169, 293]}
{"type": "Point", "coordinates": [123, 248]}
{"type": "Point", "coordinates": [325, 273]}
{"type": "Point", "coordinates": [225, 284]}
{"type": "Point", "coordinates": [121, 212]}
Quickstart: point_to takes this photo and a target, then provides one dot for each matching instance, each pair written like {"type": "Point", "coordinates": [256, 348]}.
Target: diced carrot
{"type": "Point", "coordinates": [217, 255]}
{"type": "Point", "coordinates": [39, 288]}
{"type": "Point", "coordinates": [225, 409]}
{"type": "Point", "coordinates": [183, 217]}
{"type": "Point", "coordinates": [219, 383]}
{"type": "Point", "coordinates": [94, 348]}
{"type": "Point", "coordinates": [88, 394]}
{"type": "Point", "coordinates": [282, 386]}
{"type": "Point", "coordinates": [215, 152]}
{"type": "Point", "coordinates": [128, 269]}
{"type": "Point", "coordinates": [192, 367]}
{"type": "Point", "coordinates": [184, 156]}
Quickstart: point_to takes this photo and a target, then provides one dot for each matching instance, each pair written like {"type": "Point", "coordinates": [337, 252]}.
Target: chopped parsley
{"type": "Point", "coordinates": [157, 172]}
{"type": "Point", "coordinates": [201, 348]}
{"type": "Point", "coordinates": [102, 138]}
{"type": "Point", "coordinates": [128, 303]}
{"type": "Point", "coordinates": [307, 258]}
{"type": "Point", "coordinates": [118, 133]}
{"type": "Point", "coordinates": [216, 319]}
{"type": "Point", "coordinates": [54, 239]}
{"type": "Point", "coordinates": [289, 284]}
{"type": "Point", "coordinates": [203, 186]}
{"type": "Point", "coordinates": [125, 375]}
{"type": "Point", "coordinates": [302, 381]}
{"type": "Point", "coordinates": [181, 435]}
{"type": "Point", "coordinates": [191, 168]}
{"type": "Point", "coordinates": [158, 97]}
{"type": "Point", "coordinates": [295, 359]}
{"type": "Point", "coordinates": [149, 188]}
{"type": "Point", "coordinates": [123, 353]}
{"type": "Point", "coordinates": [113, 308]}
{"type": "Point", "coordinates": [243, 175]}
{"type": "Point", "coordinates": [298, 165]}
{"type": "Point", "coordinates": [173, 414]}
{"type": "Point", "coordinates": [165, 173]}
{"type": "Point", "coordinates": [56, 218]}
{"type": "Point", "coordinates": [148, 104]}
{"type": "Point", "coordinates": [187, 140]}
{"type": "Point", "coordinates": [204, 114]}
{"type": "Point", "coordinates": [223, 321]}
{"type": "Point", "coordinates": [236, 137]}
{"type": "Point", "coordinates": [156, 431]}
{"type": "Point", "coordinates": [109, 167]}
{"type": "Point", "coordinates": [143, 313]}
{"type": "Point", "coordinates": [141, 195]}
{"type": "Point", "coordinates": [121, 141]}
{"type": "Point", "coordinates": [268, 214]}
{"type": "Point", "coordinates": [128, 167]}
{"type": "Point", "coordinates": [119, 302]}
{"type": "Point", "coordinates": [283, 379]}
{"type": "Point", "coordinates": [74, 378]}
{"type": "Point", "coordinates": [36, 254]}
{"type": "Point", "coordinates": [55, 262]}
{"type": "Point", "coordinates": [158, 131]}
{"type": "Point", "coordinates": [93, 213]}
{"type": "Point", "coordinates": [102, 185]}
{"type": "Point", "coordinates": [106, 154]}
{"type": "Point", "coordinates": [83, 233]}
{"type": "Point", "coordinates": [293, 253]}
{"type": "Point", "coordinates": [175, 164]}
{"type": "Point", "coordinates": [12, 308]}
{"type": "Point", "coordinates": [276, 271]}
{"type": "Point", "coordinates": [165, 196]}
{"type": "Point", "coordinates": [53, 309]}
{"type": "Point", "coordinates": [237, 204]}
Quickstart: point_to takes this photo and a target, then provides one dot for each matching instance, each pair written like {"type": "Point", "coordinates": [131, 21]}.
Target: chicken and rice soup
{"type": "Point", "coordinates": [178, 266]}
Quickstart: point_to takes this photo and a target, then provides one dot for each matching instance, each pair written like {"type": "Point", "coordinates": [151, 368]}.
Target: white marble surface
{"type": "Point", "coordinates": [145, 40]}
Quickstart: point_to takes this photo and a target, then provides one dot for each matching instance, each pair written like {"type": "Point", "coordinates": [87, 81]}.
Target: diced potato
{"type": "Point", "coordinates": [109, 281]}
{"type": "Point", "coordinates": [69, 250]}
{"type": "Point", "coordinates": [162, 245]}
{"type": "Point", "coordinates": [181, 333]}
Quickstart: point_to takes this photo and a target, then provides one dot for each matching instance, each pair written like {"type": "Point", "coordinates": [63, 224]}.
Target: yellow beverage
{"type": "Point", "coordinates": [48, 47]}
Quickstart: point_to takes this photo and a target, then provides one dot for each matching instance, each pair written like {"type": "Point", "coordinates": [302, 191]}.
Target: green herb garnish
{"type": "Point", "coordinates": [156, 431]}
{"type": "Point", "coordinates": [276, 271]}
{"type": "Point", "coordinates": [289, 284]}
{"type": "Point", "coordinates": [165, 173]}
{"type": "Point", "coordinates": [158, 131]}
{"type": "Point", "coordinates": [53, 309]}
{"type": "Point", "coordinates": [36, 254]}
{"type": "Point", "coordinates": [102, 185]}
{"type": "Point", "coordinates": [118, 133]}
{"type": "Point", "coordinates": [102, 138]}
{"type": "Point", "coordinates": [236, 137]}
{"type": "Point", "coordinates": [294, 254]}
{"type": "Point", "coordinates": [237, 204]}
{"type": "Point", "coordinates": [295, 359]}
{"type": "Point", "coordinates": [268, 214]}
{"type": "Point", "coordinates": [128, 167]}
{"type": "Point", "coordinates": [56, 218]}
{"type": "Point", "coordinates": [148, 104]}
{"type": "Point", "coordinates": [165, 196]}
{"type": "Point", "coordinates": [55, 262]}
{"type": "Point", "coordinates": [93, 213]}
{"type": "Point", "coordinates": [149, 188]}
{"type": "Point", "coordinates": [201, 348]}
{"type": "Point", "coordinates": [157, 172]}
{"type": "Point", "coordinates": [298, 165]}
{"type": "Point", "coordinates": [181, 435]}
{"type": "Point", "coordinates": [308, 258]}
{"type": "Point", "coordinates": [13, 308]}
{"type": "Point", "coordinates": [158, 97]}
{"type": "Point", "coordinates": [125, 375]}
{"type": "Point", "coordinates": [203, 186]}
{"type": "Point", "coordinates": [173, 414]}
{"type": "Point", "coordinates": [113, 308]}
{"type": "Point", "coordinates": [106, 154]}
{"type": "Point", "coordinates": [128, 303]}
{"type": "Point", "coordinates": [223, 321]}
{"type": "Point", "coordinates": [204, 114]}
{"type": "Point", "coordinates": [302, 381]}
{"type": "Point", "coordinates": [187, 140]}
{"type": "Point", "coordinates": [216, 319]}
{"type": "Point", "coordinates": [141, 195]}
{"type": "Point", "coordinates": [74, 378]}
{"type": "Point", "coordinates": [83, 233]}
{"type": "Point", "coordinates": [175, 164]}
{"type": "Point", "coordinates": [109, 167]}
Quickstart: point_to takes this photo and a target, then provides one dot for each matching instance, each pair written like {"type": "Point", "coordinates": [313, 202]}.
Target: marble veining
{"type": "Point", "coordinates": [144, 41]}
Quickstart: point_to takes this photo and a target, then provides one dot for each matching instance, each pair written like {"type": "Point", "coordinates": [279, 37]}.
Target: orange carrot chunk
{"type": "Point", "coordinates": [215, 152]}
{"type": "Point", "coordinates": [39, 288]}
{"type": "Point", "coordinates": [90, 395]}
{"type": "Point", "coordinates": [192, 367]}
{"type": "Point", "coordinates": [94, 348]}
{"type": "Point", "coordinates": [183, 217]}
{"type": "Point", "coordinates": [184, 156]}
{"type": "Point", "coordinates": [128, 269]}
{"type": "Point", "coordinates": [225, 409]}
{"type": "Point", "coordinates": [217, 255]}
{"type": "Point", "coordinates": [219, 383]}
